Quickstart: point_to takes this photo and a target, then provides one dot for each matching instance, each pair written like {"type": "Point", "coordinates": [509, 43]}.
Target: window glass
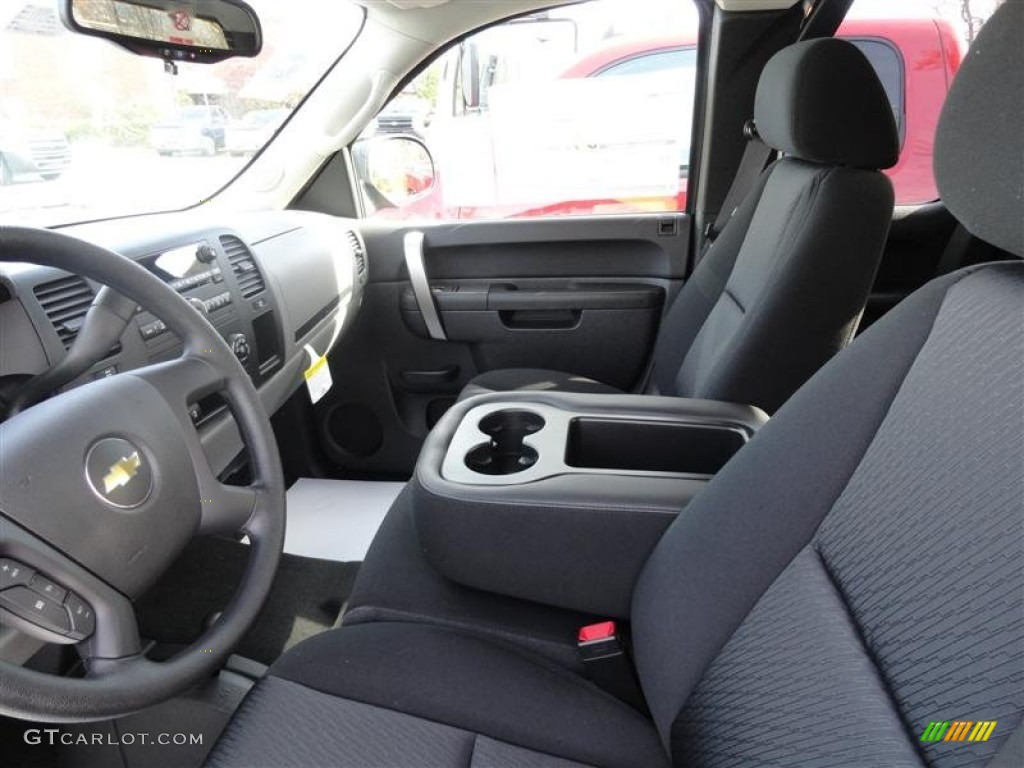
{"type": "Point", "coordinates": [522, 119]}
{"type": "Point", "coordinates": [88, 130]}
{"type": "Point", "coordinates": [678, 60]}
{"type": "Point", "coordinates": [915, 47]}
{"type": "Point", "coordinates": [888, 65]}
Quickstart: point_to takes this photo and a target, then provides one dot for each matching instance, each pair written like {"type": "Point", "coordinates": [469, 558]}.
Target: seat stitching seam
{"type": "Point", "coordinates": [727, 291]}
{"type": "Point", "coordinates": [399, 615]}
{"type": "Point", "coordinates": [868, 651]}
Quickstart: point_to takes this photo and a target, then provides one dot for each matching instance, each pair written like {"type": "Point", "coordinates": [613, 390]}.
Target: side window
{"type": "Point", "coordinates": [885, 59]}
{"type": "Point", "coordinates": [678, 60]}
{"type": "Point", "coordinates": [583, 109]}
{"type": "Point", "coordinates": [915, 47]}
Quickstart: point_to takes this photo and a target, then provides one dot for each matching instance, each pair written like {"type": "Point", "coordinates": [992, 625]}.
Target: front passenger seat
{"type": "Point", "coordinates": [782, 288]}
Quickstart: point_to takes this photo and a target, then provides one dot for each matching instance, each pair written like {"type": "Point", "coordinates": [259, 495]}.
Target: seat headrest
{"type": "Point", "coordinates": [820, 100]}
{"type": "Point", "coordinates": [979, 146]}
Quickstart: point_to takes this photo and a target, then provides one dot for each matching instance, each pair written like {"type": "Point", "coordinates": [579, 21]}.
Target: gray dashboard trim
{"type": "Point", "coordinates": [294, 250]}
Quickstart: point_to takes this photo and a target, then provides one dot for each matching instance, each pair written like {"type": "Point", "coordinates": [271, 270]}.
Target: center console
{"type": "Point", "coordinates": [559, 498]}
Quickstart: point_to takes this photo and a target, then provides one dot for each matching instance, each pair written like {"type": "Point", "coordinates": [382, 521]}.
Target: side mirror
{"type": "Point", "coordinates": [469, 75]}
{"type": "Point", "coordinates": [393, 170]}
{"type": "Point", "coordinates": [201, 31]}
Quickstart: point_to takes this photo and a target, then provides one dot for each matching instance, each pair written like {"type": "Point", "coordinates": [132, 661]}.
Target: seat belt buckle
{"type": "Point", "coordinates": [606, 662]}
{"type": "Point", "coordinates": [596, 641]}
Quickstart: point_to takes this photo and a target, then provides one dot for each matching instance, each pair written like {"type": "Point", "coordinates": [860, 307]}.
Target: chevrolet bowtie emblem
{"type": "Point", "coordinates": [122, 472]}
{"type": "Point", "coordinates": [118, 472]}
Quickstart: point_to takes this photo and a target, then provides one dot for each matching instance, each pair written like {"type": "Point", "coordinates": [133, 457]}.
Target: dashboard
{"type": "Point", "coordinates": [280, 287]}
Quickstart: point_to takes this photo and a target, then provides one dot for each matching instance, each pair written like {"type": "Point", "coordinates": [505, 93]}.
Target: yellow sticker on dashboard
{"type": "Point", "coordinates": [318, 379]}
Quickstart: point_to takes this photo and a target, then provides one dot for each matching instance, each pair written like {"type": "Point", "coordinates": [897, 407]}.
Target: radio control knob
{"type": "Point", "coordinates": [198, 305]}
{"type": "Point", "coordinates": [205, 254]}
{"type": "Point", "coordinates": [240, 346]}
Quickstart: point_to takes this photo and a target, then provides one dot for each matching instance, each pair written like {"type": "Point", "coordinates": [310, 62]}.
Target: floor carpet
{"type": "Point", "coordinates": [306, 599]}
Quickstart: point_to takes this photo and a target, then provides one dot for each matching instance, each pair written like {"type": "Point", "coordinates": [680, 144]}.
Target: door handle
{"type": "Point", "coordinates": [412, 244]}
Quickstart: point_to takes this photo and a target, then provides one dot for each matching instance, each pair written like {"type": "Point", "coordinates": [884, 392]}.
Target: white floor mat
{"type": "Point", "coordinates": [336, 519]}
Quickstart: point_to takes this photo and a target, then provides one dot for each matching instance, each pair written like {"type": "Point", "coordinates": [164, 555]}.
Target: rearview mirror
{"type": "Point", "coordinates": [194, 31]}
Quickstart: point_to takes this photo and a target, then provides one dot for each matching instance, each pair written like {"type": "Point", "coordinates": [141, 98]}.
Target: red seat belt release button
{"type": "Point", "coordinates": [593, 633]}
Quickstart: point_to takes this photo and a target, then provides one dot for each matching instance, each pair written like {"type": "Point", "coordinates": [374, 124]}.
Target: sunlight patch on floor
{"type": "Point", "coordinates": [336, 519]}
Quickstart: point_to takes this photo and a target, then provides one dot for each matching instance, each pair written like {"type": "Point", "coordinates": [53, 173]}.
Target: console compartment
{"type": "Point", "coordinates": [650, 445]}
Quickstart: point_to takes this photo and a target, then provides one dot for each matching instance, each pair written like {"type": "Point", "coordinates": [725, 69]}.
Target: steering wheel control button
{"type": "Point", "coordinates": [13, 574]}
{"type": "Point", "coordinates": [44, 586]}
{"type": "Point", "coordinates": [35, 608]}
{"type": "Point", "coordinates": [82, 620]}
{"type": "Point", "coordinates": [118, 473]}
{"type": "Point", "coordinates": [106, 373]}
{"type": "Point", "coordinates": [152, 330]}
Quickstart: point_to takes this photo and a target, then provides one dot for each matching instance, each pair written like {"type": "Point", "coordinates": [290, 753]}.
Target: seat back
{"type": "Point", "coordinates": [858, 569]}
{"type": "Point", "coordinates": [782, 288]}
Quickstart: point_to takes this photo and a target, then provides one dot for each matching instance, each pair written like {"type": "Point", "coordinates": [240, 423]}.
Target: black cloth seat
{"type": "Point", "coordinates": [783, 287]}
{"type": "Point", "coordinates": [453, 698]}
{"type": "Point", "coordinates": [854, 574]}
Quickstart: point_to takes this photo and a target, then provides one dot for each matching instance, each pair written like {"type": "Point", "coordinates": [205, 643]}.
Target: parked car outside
{"type": "Point", "coordinates": [914, 58]}
{"type": "Point", "coordinates": [255, 129]}
{"type": "Point", "coordinates": [195, 129]}
{"type": "Point", "coordinates": [407, 113]}
{"type": "Point", "coordinates": [42, 153]}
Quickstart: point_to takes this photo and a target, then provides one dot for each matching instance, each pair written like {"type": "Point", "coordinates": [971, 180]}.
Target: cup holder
{"type": "Point", "coordinates": [506, 453]}
{"type": "Point", "coordinates": [511, 424]}
{"type": "Point", "coordinates": [488, 460]}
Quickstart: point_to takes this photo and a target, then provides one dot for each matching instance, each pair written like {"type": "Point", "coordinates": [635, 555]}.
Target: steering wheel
{"type": "Point", "coordinates": [102, 486]}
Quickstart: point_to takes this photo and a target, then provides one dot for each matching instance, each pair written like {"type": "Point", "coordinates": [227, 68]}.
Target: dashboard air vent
{"type": "Point", "coordinates": [65, 302]}
{"type": "Point", "coordinates": [247, 273]}
{"type": "Point", "coordinates": [357, 253]}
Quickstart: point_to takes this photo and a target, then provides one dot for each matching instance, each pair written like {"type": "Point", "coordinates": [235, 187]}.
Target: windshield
{"type": "Point", "coordinates": [195, 113]}
{"type": "Point", "coordinates": [88, 130]}
{"type": "Point", "coordinates": [264, 116]}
